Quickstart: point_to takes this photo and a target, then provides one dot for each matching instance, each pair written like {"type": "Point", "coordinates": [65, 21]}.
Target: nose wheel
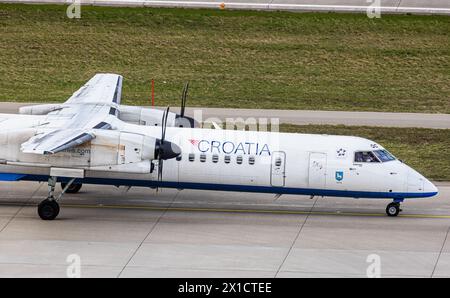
{"type": "Point", "coordinates": [393, 209]}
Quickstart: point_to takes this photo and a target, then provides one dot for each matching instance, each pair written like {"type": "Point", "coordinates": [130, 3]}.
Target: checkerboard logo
{"type": "Point", "coordinates": [341, 153]}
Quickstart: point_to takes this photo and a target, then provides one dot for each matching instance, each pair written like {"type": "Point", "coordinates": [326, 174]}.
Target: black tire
{"type": "Point", "coordinates": [393, 209]}
{"type": "Point", "coordinates": [48, 209]}
{"type": "Point", "coordinates": [73, 188]}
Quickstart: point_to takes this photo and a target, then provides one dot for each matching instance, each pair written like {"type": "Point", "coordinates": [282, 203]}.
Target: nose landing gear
{"type": "Point", "coordinates": [393, 209]}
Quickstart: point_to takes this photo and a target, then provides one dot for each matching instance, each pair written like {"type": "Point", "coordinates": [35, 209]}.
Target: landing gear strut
{"type": "Point", "coordinates": [73, 188]}
{"type": "Point", "coordinates": [393, 209]}
{"type": "Point", "coordinates": [48, 209]}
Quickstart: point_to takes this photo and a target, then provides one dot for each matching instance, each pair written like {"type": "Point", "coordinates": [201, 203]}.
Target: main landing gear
{"type": "Point", "coordinates": [48, 209]}
{"type": "Point", "coordinates": [393, 209]}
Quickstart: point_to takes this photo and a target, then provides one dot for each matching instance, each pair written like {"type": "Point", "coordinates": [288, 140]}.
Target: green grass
{"type": "Point", "coordinates": [237, 59]}
{"type": "Point", "coordinates": [426, 150]}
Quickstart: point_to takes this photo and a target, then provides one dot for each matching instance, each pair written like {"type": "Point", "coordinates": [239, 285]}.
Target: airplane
{"type": "Point", "coordinates": [86, 140]}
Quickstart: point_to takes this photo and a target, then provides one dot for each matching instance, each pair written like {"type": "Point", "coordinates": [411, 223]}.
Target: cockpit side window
{"type": "Point", "coordinates": [384, 155]}
{"type": "Point", "coordinates": [365, 156]}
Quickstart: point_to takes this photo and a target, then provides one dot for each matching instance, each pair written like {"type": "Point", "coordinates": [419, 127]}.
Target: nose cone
{"type": "Point", "coordinates": [430, 188]}
{"type": "Point", "coordinates": [167, 150]}
{"type": "Point", "coordinates": [419, 185]}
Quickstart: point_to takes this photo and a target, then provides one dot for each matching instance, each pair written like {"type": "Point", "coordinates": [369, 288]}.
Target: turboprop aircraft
{"type": "Point", "coordinates": [87, 140]}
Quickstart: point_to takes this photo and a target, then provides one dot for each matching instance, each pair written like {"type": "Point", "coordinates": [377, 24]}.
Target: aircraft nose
{"type": "Point", "coordinates": [419, 184]}
{"type": "Point", "coordinates": [429, 187]}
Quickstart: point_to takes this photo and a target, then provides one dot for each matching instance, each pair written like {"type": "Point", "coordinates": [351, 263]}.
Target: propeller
{"type": "Point", "coordinates": [164, 149]}
{"type": "Point", "coordinates": [181, 120]}
{"type": "Point", "coordinates": [161, 143]}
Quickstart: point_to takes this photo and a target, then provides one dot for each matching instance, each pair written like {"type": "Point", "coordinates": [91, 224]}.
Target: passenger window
{"type": "Point", "coordinates": [215, 158]}
{"type": "Point", "coordinates": [251, 160]}
{"type": "Point", "coordinates": [202, 157]}
{"type": "Point", "coordinates": [239, 159]}
{"type": "Point", "coordinates": [227, 159]}
{"type": "Point", "coordinates": [191, 156]}
{"type": "Point", "coordinates": [365, 156]}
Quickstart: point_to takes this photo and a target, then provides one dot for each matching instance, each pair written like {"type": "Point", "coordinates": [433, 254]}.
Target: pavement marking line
{"type": "Point", "coordinates": [21, 206]}
{"type": "Point", "coordinates": [295, 239]}
{"type": "Point", "coordinates": [440, 253]}
{"type": "Point", "coordinates": [148, 235]}
{"type": "Point", "coordinates": [225, 210]}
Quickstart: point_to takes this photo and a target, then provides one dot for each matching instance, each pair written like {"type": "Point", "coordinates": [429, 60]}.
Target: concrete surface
{"type": "Point", "coordinates": [218, 234]}
{"type": "Point", "coordinates": [386, 6]}
{"type": "Point", "coordinates": [302, 117]}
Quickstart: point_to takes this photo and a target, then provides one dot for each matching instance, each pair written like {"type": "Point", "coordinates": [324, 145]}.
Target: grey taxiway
{"type": "Point", "coordinates": [359, 6]}
{"type": "Point", "coordinates": [303, 117]}
{"type": "Point", "coordinates": [187, 233]}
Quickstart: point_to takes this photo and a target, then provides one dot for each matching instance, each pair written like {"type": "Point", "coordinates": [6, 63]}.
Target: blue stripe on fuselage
{"type": "Point", "coordinates": [240, 188]}
{"type": "Point", "coordinates": [10, 177]}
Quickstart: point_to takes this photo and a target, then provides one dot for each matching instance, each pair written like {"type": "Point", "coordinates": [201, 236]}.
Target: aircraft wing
{"type": "Point", "coordinates": [102, 88]}
{"type": "Point", "coordinates": [91, 107]}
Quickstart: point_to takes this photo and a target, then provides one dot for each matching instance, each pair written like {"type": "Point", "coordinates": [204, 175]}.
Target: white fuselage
{"type": "Point", "coordinates": [242, 161]}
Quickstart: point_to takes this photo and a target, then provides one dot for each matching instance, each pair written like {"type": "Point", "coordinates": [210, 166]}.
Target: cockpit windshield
{"type": "Point", "coordinates": [373, 156]}
{"type": "Point", "coordinates": [384, 155]}
{"type": "Point", "coordinates": [365, 156]}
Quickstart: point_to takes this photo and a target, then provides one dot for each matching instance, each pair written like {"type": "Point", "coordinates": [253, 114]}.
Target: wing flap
{"type": "Point", "coordinates": [56, 141]}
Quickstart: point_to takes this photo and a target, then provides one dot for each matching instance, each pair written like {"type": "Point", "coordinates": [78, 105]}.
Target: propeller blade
{"type": "Point", "coordinates": [164, 125]}
{"type": "Point", "coordinates": [184, 98]}
{"type": "Point", "coordinates": [161, 145]}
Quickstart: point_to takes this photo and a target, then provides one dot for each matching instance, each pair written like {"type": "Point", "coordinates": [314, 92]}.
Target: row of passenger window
{"type": "Point", "coordinates": [215, 158]}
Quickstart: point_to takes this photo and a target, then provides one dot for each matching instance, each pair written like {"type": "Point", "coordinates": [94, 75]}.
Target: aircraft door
{"type": "Point", "coordinates": [278, 168]}
{"type": "Point", "coordinates": [317, 170]}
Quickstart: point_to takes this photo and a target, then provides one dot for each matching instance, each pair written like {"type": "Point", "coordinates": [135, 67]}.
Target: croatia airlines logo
{"type": "Point", "coordinates": [228, 147]}
{"type": "Point", "coordinates": [194, 142]}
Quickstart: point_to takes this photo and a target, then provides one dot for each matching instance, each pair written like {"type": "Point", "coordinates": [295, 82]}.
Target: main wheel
{"type": "Point", "coordinates": [73, 188]}
{"type": "Point", "coordinates": [48, 209]}
{"type": "Point", "coordinates": [393, 209]}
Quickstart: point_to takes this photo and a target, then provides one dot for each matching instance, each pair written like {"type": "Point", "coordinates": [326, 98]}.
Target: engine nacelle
{"type": "Point", "coordinates": [11, 140]}
{"type": "Point", "coordinates": [117, 148]}
{"type": "Point", "coordinates": [144, 116]}
{"type": "Point", "coordinates": [143, 167]}
{"type": "Point", "coordinates": [39, 109]}
{"type": "Point", "coordinates": [109, 151]}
